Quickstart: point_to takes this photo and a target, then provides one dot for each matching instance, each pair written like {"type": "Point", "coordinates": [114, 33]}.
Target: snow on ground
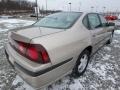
{"type": "Point", "coordinates": [7, 24]}
{"type": "Point", "coordinates": [102, 73]}
{"type": "Point", "coordinates": [19, 84]}
{"type": "Point", "coordinates": [117, 32]}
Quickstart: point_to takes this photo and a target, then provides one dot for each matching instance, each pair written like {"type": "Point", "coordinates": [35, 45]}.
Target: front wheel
{"type": "Point", "coordinates": [81, 64]}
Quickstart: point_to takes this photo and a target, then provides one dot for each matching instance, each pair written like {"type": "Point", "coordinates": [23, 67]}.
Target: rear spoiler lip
{"type": "Point", "coordinates": [18, 37]}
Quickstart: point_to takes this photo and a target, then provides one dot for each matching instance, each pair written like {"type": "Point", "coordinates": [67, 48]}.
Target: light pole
{"type": "Point", "coordinates": [104, 9]}
{"type": "Point", "coordinates": [96, 8]}
{"type": "Point", "coordinates": [19, 4]}
{"type": "Point", "coordinates": [70, 6]}
{"type": "Point", "coordinates": [79, 6]}
{"type": "Point", "coordinates": [37, 9]}
{"type": "Point", "coordinates": [46, 7]}
{"type": "Point", "coordinates": [92, 8]}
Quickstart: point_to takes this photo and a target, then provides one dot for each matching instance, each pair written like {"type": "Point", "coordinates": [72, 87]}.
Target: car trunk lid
{"type": "Point", "coordinates": [27, 34]}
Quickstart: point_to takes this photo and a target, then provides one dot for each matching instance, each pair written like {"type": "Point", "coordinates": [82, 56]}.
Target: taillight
{"type": "Point", "coordinates": [33, 52]}
{"type": "Point", "coordinates": [37, 53]}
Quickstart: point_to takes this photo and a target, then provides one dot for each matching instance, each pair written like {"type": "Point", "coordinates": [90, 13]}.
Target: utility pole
{"type": "Point", "coordinates": [46, 7]}
{"type": "Point", "coordinates": [104, 9]}
{"type": "Point", "coordinates": [37, 9]}
{"type": "Point", "coordinates": [70, 6]}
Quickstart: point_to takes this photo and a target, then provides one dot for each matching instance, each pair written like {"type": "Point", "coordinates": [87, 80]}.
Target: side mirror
{"type": "Point", "coordinates": [110, 24]}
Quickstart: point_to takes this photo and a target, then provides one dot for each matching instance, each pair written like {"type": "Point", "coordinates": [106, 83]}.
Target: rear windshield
{"type": "Point", "coordinates": [61, 20]}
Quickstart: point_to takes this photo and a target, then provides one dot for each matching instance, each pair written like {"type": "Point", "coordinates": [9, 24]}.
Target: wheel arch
{"type": "Point", "coordinates": [74, 73]}
{"type": "Point", "coordinates": [89, 48]}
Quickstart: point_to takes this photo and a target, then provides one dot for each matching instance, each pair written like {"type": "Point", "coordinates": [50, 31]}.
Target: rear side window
{"type": "Point", "coordinates": [94, 21]}
{"type": "Point", "coordinates": [85, 22]}
{"type": "Point", "coordinates": [103, 20]}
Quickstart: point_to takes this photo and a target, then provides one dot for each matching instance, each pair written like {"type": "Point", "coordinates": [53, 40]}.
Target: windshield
{"type": "Point", "coordinates": [61, 20]}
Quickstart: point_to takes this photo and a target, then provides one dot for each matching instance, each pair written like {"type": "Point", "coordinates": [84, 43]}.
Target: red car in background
{"type": "Point", "coordinates": [111, 17]}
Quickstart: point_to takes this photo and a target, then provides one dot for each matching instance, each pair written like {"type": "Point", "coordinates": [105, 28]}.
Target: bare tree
{"type": "Point", "coordinates": [7, 6]}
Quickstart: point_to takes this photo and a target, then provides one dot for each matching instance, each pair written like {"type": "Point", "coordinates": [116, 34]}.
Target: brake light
{"type": "Point", "coordinates": [37, 53]}
{"type": "Point", "coordinates": [33, 52]}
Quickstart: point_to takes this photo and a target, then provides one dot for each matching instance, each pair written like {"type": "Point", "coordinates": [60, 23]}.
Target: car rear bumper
{"type": "Point", "coordinates": [40, 78]}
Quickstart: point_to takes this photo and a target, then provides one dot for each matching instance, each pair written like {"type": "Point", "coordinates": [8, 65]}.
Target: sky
{"type": "Point", "coordinates": [81, 5]}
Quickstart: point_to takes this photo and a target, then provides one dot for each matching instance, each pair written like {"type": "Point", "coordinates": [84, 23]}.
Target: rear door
{"type": "Point", "coordinates": [96, 29]}
{"type": "Point", "coordinates": [107, 29]}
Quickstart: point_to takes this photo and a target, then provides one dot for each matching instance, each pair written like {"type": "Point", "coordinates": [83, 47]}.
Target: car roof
{"type": "Point", "coordinates": [79, 12]}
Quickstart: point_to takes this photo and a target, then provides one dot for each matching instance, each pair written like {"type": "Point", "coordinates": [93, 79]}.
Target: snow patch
{"type": "Point", "coordinates": [3, 30]}
{"type": "Point", "coordinates": [115, 41]}
{"type": "Point", "coordinates": [8, 24]}
{"type": "Point", "coordinates": [1, 47]}
{"type": "Point", "coordinates": [111, 78]}
{"type": "Point", "coordinates": [76, 86]}
{"type": "Point", "coordinates": [117, 46]}
{"type": "Point", "coordinates": [107, 48]}
{"type": "Point", "coordinates": [99, 70]}
{"type": "Point", "coordinates": [2, 86]}
{"type": "Point", "coordinates": [19, 84]}
{"type": "Point", "coordinates": [106, 57]}
{"type": "Point", "coordinates": [117, 31]}
{"type": "Point", "coordinates": [14, 21]}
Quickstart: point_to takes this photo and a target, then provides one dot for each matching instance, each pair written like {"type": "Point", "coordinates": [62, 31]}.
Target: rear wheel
{"type": "Point", "coordinates": [81, 64]}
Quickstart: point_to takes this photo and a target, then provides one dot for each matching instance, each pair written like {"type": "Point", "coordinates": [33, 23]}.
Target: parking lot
{"type": "Point", "coordinates": [103, 72]}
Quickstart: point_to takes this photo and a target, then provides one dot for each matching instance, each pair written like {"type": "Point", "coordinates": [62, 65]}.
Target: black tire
{"type": "Point", "coordinates": [76, 72]}
{"type": "Point", "coordinates": [110, 40]}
